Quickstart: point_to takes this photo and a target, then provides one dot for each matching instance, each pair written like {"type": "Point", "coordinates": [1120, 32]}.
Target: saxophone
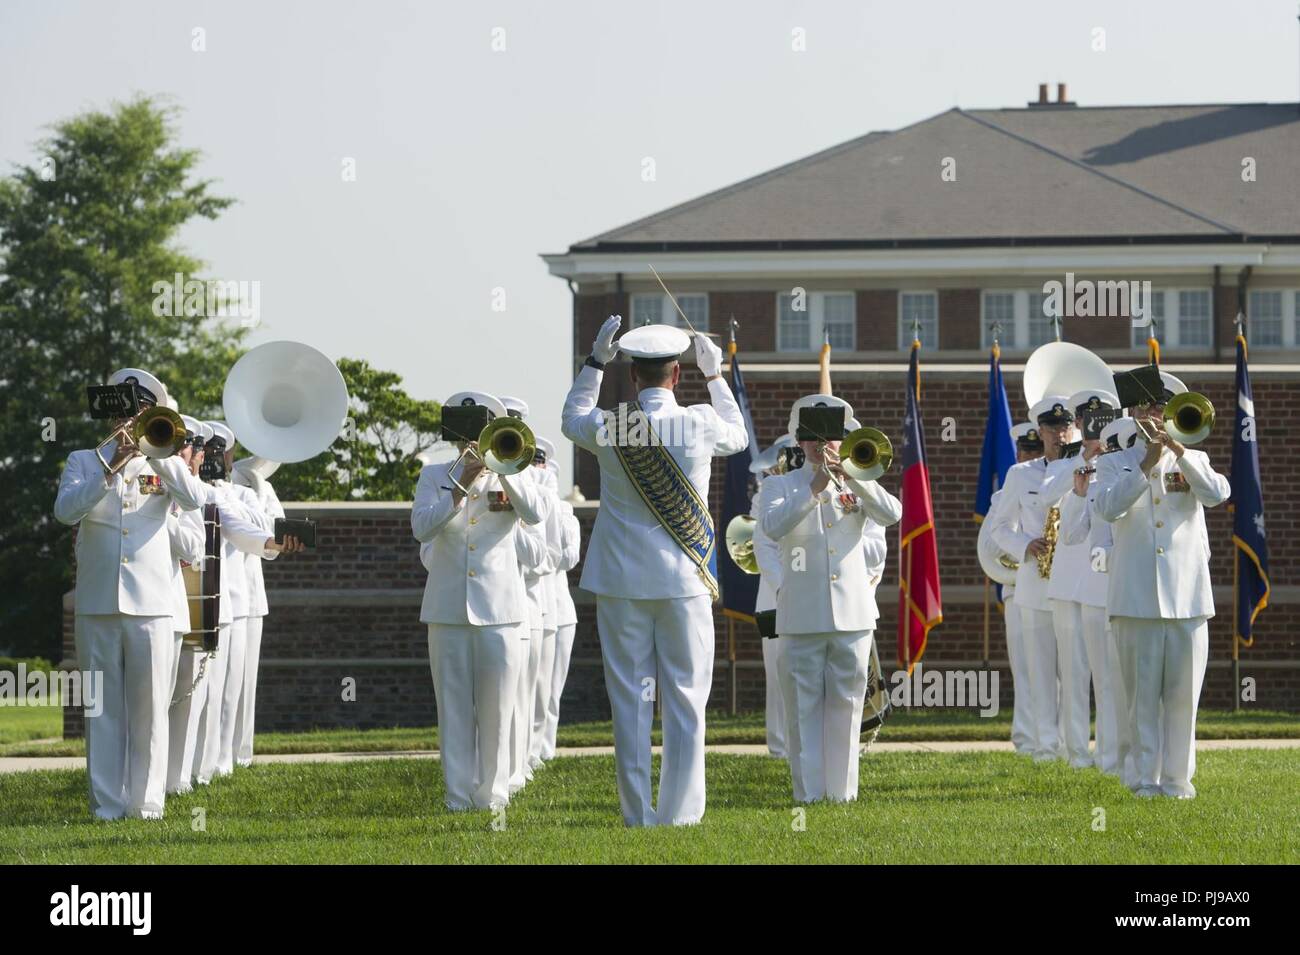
{"type": "Point", "coordinates": [1050, 528]}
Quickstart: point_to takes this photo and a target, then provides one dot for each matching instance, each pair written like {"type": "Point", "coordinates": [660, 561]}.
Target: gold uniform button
{"type": "Point", "coordinates": [835, 576]}
{"type": "Point", "coordinates": [474, 496]}
{"type": "Point", "coordinates": [124, 533]}
{"type": "Point", "coordinates": [473, 520]}
{"type": "Point", "coordinates": [829, 524]}
{"type": "Point", "coordinates": [471, 547]}
{"type": "Point", "coordinates": [1160, 550]}
{"type": "Point", "coordinates": [832, 551]}
{"type": "Point", "coordinates": [1157, 501]}
{"type": "Point", "coordinates": [471, 573]}
{"type": "Point", "coordinates": [124, 560]}
{"type": "Point", "coordinates": [1160, 523]}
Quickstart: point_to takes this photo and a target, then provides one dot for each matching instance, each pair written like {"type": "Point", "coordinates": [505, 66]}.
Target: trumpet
{"type": "Point", "coordinates": [155, 432]}
{"type": "Point", "coordinates": [864, 455]}
{"type": "Point", "coordinates": [1188, 418]}
{"type": "Point", "coordinates": [505, 446]}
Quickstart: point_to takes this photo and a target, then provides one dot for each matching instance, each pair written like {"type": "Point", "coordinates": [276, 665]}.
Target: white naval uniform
{"type": "Point", "coordinates": [653, 608]}
{"type": "Point", "coordinates": [124, 604]}
{"type": "Point", "coordinates": [245, 716]}
{"type": "Point", "coordinates": [1066, 593]}
{"type": "Point", "coordinates": [1022, 721]}
{"type": "Point", "coordinates": [554, 536]}
{"type": "Point", "coordinates": [474, 603]}
{"type": "Point", "coordinates": [185, 531]}
{"type": "Point", "coordinates": [1031, 487]}
{"type": "Point", "coordinates": [244, 530]}
{"type": "Point", "coordinates": [1160, 601]}
{"type": "Point", "coordinates": [566, 621]}
{"type": "Point", "coordinates": [768, 554]}
{"type": "Point", "coordinates": [534, 564]}
{"type": "Point", "coordinates": [826, 614]}
{"type": "Point", "coordinates": [1078, 527]}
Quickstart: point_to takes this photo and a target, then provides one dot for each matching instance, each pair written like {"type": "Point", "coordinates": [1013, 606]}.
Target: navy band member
{"type": "Point", "coordinates": [1030, 490]}
{"type": "Point", "coordinates": [1160, 597]}
{"type": "Point", "coordinates": [474, 604]}
{"type": "Point", "coordinates": [1029, 446]}
{"type": "Point", "coordinates": [768, 555]}
{"type": "Point", "coordinates": [125, 599]}
{"type": "Point", "coordinates": [825, 609]}
{"type": "Point", "coordinates": [649, 554]}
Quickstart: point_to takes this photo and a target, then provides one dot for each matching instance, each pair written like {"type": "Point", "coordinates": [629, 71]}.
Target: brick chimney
{"type": "Point", "coordinates": [1044, 101]}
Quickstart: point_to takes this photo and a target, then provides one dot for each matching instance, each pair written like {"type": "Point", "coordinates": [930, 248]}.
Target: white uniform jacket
{"type": "Point", "coordinates": [475, 577]}
{"type": "Point", "coordinates": [629, 554]}
{"type": "Point", "coordinates": [1159, 567]}
{"type": "Point", "coordinates": [245, 529]}
{"type": "Point", "coordinates": [768, 554]}
{"type": "Point", "coordinates": [124, 559]}
{"type": "Point", "coordinates": [269, 504]}
{"type": "Point", "coordinates": [1030, 489]}
{"type": "Point", "coordinates": [570, 542]}
{"type": "Point", "coordinates": [827, 553]}
{"type": "Point", "coordinates": [1079, 528]}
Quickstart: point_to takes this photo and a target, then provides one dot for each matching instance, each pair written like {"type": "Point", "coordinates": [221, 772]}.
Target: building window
{"type": "Point", "coordinates": [1182, 318]}
{"type": "Point", "coordinates": [655, 308]}
{"type": "Point", "coordinates": [1024, 324]}
{"type": "Point", "coordinates": [1265, 322]}
{"type": "Point", "coordinates": [1042, 328]}
{"type": "Point", "coordinates": [1194, 318]}
{"type": "Point", "coordinates": [829, 314]}
{"type": "Point", "coordinates": [914, 308]}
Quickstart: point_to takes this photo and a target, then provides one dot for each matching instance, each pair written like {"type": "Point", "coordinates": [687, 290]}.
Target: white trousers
{"type": "Point", "coordinates": [660, 648]}
{"type": "Point", "coordinates": [541, 698]}
{"type": "Point", "coordinates": [1075, 680]}
{"type": "Point", "coordinates": [521, 706]}
{"type": "Point", "coordinates": [207, 753]}
{"type": "Point", "coordinates": [1124, 766]}
{"type": "Point", "coordinates": [231, 694]}
{"type": "Point", "coordinates": [184, 720]}
{"type": "Point", "coordinates": [1096, 641]}
{"type": "Point", "coordinates": [126, 744]}
{"type": "Point", "coordinates": [1164, 663]}
{"type": "Point", "coordinates": [1022, 724]}
{"type": "Point", "coordinates": [774, 717]}
{"type": "Point", "coordinates": [248, 698]}
{"type": "Point", "coordinates": [475, 673]}
{"type": "Point", "coordinates": [559, 676]}
{"type": "Point", "coordinates": [826, 686]}
{"type": "Point", "coordinates": [1038, 638]}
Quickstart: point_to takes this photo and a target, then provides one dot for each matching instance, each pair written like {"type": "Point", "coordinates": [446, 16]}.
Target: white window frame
{"type": "Point", "coordinates": [816, 302]}
{"type": "Point", "coordinates": [1169, 332]}
{"type": "Point", "coordinates": [667, 314]}
{"type": "Point", "coordinates": [905, 335]}
{"type": "Point", "coordinates": [1290, 315]}
{"type": "Point", "coordinates": [1015, 334]}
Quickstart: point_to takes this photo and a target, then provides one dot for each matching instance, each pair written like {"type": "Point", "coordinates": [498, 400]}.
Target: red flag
{"type": "Point", "coordinates": [919, 604]}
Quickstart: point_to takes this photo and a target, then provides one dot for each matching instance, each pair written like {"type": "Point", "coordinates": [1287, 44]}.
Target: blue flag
{"type": "Point", "coordinates": [1247, 508]}
{"type": "Point", "coordinates": [739, 589]}
{"type": "Point", "coordinates": [999, 450]}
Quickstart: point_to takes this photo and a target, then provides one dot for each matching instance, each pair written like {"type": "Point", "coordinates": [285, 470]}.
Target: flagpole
{"type": "Point", "coordinates": [1236, 582]}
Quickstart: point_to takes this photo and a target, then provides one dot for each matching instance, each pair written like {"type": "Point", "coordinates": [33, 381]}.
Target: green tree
{"type": "Point", "coordinates": [374, 459]}
{"type": "Point", "coordinates": [85, 233]}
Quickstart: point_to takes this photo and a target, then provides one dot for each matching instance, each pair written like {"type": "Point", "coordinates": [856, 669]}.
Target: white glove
{"type": "Point", "coordinates": [604, 349]}
{"type": "Point", "coordinates": [708, 356]}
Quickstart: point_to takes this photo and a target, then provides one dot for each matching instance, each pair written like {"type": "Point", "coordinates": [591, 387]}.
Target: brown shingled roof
{"type": "Point", "coordinates": [1099, 174]}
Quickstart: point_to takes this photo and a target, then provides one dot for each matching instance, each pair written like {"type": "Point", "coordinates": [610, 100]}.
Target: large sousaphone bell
{"type": "Point", "coordinates": [285, 401]}
{"type": "Point", "coordinates": [1063, 368]}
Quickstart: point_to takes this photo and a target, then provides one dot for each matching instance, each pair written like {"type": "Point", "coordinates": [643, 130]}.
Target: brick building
{"type": "Point", "coordinates": [956, 222]}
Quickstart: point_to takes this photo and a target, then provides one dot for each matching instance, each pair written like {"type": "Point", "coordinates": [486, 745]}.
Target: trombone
{"type": "Point", "coordinates": [505, 446]}
{"type": "Point", "coordinates": [156, 432]}
{"type": "Point", "coordinates": [1188, 418]}
{"type": "Point", "coordinates": [864, 455]}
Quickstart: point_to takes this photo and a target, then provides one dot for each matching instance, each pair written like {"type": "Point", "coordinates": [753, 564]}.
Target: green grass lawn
{"type": "Point", "coordinates": [914, 807]}
{"type": "Point", "coordinates": [20, 725]}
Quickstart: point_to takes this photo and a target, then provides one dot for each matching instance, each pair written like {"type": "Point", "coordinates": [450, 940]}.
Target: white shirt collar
{"type": "Point", "coordinates": [659, 397]}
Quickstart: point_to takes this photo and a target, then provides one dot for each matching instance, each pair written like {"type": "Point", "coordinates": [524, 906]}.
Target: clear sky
{"type": "Point", "coordinates": [470, 161]}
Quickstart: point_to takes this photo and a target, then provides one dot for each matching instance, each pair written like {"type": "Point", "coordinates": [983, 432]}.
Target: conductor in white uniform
{"type": "Point", "coordinates": [649, 554]}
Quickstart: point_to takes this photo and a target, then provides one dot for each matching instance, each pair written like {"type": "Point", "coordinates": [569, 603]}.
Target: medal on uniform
{"type": "Point", "coordinates": [499, 501]}
{"type": "Point", "coordinates": [150, 484]}
{"type": "Point", "coordinates": [1175, 483]}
